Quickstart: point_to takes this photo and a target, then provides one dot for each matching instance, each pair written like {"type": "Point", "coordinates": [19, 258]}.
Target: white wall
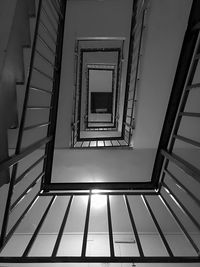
{"type": "Point", "coordinates": [103, 165]}
{"type": "Point", "coordinates": [165, 30]}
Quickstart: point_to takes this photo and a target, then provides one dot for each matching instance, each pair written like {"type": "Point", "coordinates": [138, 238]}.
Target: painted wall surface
{"type": "Point", "coordinates": [103, 165]}
{"type": "Point", "coordinates": [165, 30]}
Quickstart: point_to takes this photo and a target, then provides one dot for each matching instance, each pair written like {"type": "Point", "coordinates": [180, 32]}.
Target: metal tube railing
{"type": "Point", "coordinates": [138, 25]}
{"type": "Point", "coordinates": [164, 240]}
{"type": "Point", "coordinates": [180, 224]}
{"type": "Point", "coordinates": [43, 22]}
{"type": "Point", "coordinates": [34, 236]}
{"type": "Point", "coordinates": [62, 227]}
{"type": "Point", "coordinates": [183, 84]}
{"type": "Point", "coordinates": [143, 257]}
{"type": "Point", "coordinates": [139, 245]}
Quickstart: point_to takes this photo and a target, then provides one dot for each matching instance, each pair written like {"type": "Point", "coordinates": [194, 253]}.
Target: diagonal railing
{"type": "Point", "coordinates": [184, 87]}
{"type": "Point", "coordinates": [37, 128]}
{"type": "Point", "coordinates": [133, 71]}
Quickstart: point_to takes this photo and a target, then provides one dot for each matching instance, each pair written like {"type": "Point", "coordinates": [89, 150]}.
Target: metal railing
{"type": "Point", "coordinates": [136, 208]}
{"type": "Point", "coordinates": [182, 94]}
{"type": "Point", "coordinates": [34, 148]}
{"type": "Point", "coordinates": [176, 202]}
{"type": "Point", "coordinates": [180, 176]}
{"type": "Point", "coordinates": [133, 72]}
{"type": "Point", "coordinates": [134, 58]}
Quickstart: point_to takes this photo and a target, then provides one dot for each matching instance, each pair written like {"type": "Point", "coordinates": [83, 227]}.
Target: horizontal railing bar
{"type": "Point", "coordinates": [85, 235]}
{"type": "Point", "coordinates": [52, 12]}
{"type": "Point", "coordinates": [48, 32]}
{"type": "Point", "coordinates": [127, 124]}
{"type": "Point", "coordinates": [197, 57]}
{"type": "Point", "coordinates": [28, 170]}
{"type": "Point", "coordinates": [190, 114]}
{"type": "Point", "coordinates": [56, 9]}
{"type": "Point", "coordinates": [187, 140]}
{"type": "Point", "coordinates": [183, 187]}
{"type": "Point", "coordinates": [26, 191]}
{"type": "Point", "coordinates": [59, 8]}
{"type": "Point", "coordinates": [34, 236]}
{"type": "Point", "coordinates": [164, 240]}
{"type": "Point", "coordinates": [127, 134]}
{"type": "Point", "coordinates": [49, 19]}
{"type": "Point", "coordinates": [62, 227]}
{"type": "Point", "coordinates": [180, 205]}
{"type": "Point", "coordinates": [173, 214]}
{"type": "Point", "coordinates": [152, 193]}
{"type": "Point", "coordinates": [10, 233]}
{"type": "Point", "coordinates": [70, 259]}
{"type": "Point", "coordinates": [75, 123]}
{"type": "Point", "coordinates": [101, 38]}
{"type": "Point", "coordinates": [32, 87]}
{"type": "Point", "coordinates": [28, 150]}
{"type": "Point", "coordinates": [138, 23]}
{"type": "Point", "coordinates": [43, 73]}
{"type": "Point", "coordinates": [125, 146]}
{"type": "Point", "coordinates": [139, 245]}
{"type": "Point", "coordinates": [45, 43]}
{"type": "Point", "coordinates": [36, 126]}
{"type": "Point", "coordinates": [58, 4]}
{"type": "Point", "coordinates": [127, 131]}
{"type": "Point", "coordinates": [118, 142]}
{"type": "Point", "coordinates": [101, 185]}
{"type": "Point", "coordinates": [141, 5]}
{"type": "Point", "coordinates": [100, 138]}
{"type": "Point", "coordinates": [45, 59]}
{"type": "Point", "coordinates": [196, 26]}
{"type": "Point", "coordinates": [39, 107]}
{"type": "Point", "coordinates": [193, 86]}
{"type": "Point", "coordinates": [184, 165]}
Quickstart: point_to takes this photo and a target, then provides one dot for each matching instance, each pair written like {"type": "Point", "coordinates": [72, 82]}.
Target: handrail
{"type": "Point", "coordinates": [28, 150]}
{"type": "Point", "coordinates": [180, 91]}
{"type": "Point", "coordinates": [138, 25]}
{"type": "Point", "coordinates": [47, 139]}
